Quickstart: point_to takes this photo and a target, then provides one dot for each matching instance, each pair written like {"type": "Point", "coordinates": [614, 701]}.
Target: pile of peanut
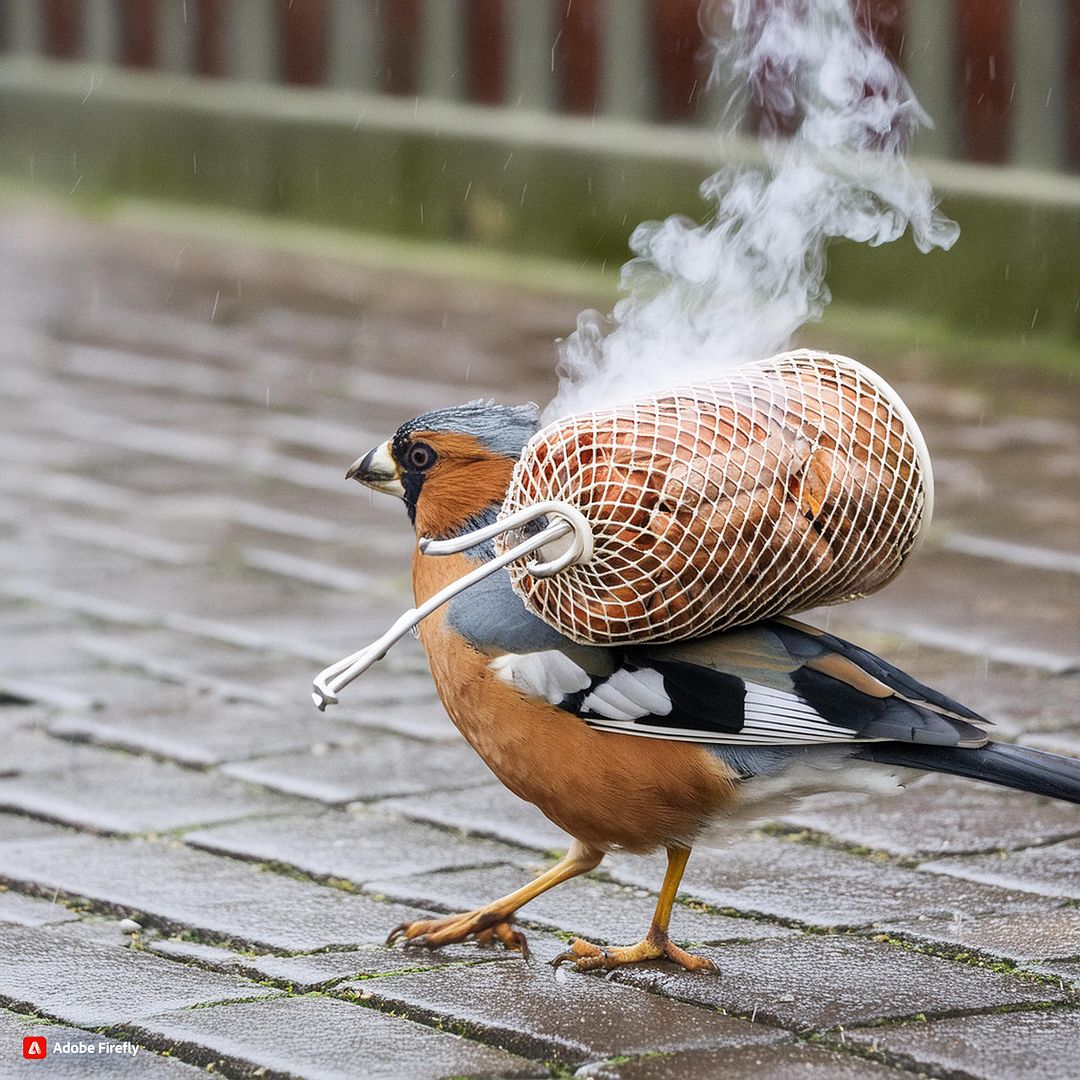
{"type": "Point", "coordinates": [771, 491]}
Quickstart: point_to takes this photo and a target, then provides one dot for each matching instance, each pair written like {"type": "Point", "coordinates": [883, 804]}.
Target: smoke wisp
{"type": "Point", "coordinates": [702, 297]}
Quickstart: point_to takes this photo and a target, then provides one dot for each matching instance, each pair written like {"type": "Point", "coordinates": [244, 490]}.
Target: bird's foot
{"type": "Point", "coordinates": [586, 956]}
{"type": "Point", "coordinates": [482, 926]}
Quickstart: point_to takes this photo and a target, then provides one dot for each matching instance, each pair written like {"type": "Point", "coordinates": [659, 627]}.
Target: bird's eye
{"type": "Point", "coordinates": [421, 456]}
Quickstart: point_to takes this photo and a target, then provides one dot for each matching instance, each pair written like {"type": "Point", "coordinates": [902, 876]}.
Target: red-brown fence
{"type": "Point", "coordinates": [1001, 77]}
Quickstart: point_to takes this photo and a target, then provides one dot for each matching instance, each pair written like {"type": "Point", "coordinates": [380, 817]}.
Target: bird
{"type": "Point", "coordinates": [643, 747]}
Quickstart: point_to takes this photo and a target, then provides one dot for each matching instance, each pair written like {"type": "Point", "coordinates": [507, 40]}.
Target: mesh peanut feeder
{"type": "Point", "coordinates": [781, 485]}
{"type": "Point", "coordinates": [784, 484]}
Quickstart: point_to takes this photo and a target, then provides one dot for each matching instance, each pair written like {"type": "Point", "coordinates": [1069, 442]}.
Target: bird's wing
{"type": "Point", "coordinates": [777, 682]}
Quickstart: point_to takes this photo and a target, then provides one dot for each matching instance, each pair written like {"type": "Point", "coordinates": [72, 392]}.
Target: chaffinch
{"type": "Point", "coordinates": [647, 746]}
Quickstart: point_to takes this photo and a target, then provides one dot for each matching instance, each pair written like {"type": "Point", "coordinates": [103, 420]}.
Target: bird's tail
{"type": "Point", "coordinates": [1017, 767]}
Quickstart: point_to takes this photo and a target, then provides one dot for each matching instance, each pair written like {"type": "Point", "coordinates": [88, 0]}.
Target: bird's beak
{"type": "Point", "coordinates": [377, 469]}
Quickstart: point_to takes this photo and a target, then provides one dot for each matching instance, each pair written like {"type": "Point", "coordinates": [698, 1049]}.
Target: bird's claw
{"type": "Point", "coordinates": [482, 927]}
{"type": "Point", "coordinates": [512, 939]}
{"type": "Point", "coordinates": [399, 931]}
{"type": "Point", "coordinates": [585, 956]}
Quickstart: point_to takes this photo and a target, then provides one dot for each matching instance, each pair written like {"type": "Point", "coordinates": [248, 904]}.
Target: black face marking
{"type": "Point", "coordinates": [501, 429]}
{"type": "Point", "coordinates": [415, 459]}
{"type": "Point", "coordinates": [413, 470]}
{"type": "Point", "coordinates": [412, 483]}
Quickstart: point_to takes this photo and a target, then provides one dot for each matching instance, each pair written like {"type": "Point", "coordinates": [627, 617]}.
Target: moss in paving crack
{"type": "Point", "coordinates": [905, 1062]}
{"type": "Point", "coordinates": [241, 946]}
{"type": "Point", "coordinates": [518, 1042]}
{"type": "Point", "coordinates": [814, 838]}
{"type": "Point", "coordinates": [248, 999]}
{"type": "Point", "coordinates": [134, 751]}
{"type": "Point", "coordinates": [867, 1052]}
{"type": "Point", "coordinates": [462, 832]}
{"type": "Point", "coordinates": [422, 969]}
{"type": "Point", "coordinates": [284, 869]}
{"type": "Point", "coordinates": [933, 1015]}
{"type": "Point", "coordinates": [187, 1052]}
{"type": "Point", "coordinates": [367, 1000]}
{"type": "Point", "coordinates": [83, 905]}
{"type": "Point", "coordinates": [967, 956]}
{"type": "Point", "coordinates": [703, 906]}
{"type": "Point", "coordinates": [44, 1021]}
{"type": "Point", "coordinates": [706, 908]}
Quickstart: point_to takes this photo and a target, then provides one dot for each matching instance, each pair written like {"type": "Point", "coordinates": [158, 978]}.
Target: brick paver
{"type": "Point", "coordinates": [1011, 1045]}
{"type": "Point", "coordinates": [181, 554]}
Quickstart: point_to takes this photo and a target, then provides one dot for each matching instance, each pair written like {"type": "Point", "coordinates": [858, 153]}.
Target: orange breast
{"type": "Point", "coordinates": [607, 790]}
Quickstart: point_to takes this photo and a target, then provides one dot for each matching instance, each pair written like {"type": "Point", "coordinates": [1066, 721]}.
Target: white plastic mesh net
{"type": "Point", "coordinates": [784, 484]}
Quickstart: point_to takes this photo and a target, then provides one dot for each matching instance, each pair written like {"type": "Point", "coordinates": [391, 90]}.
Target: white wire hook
{"type": "Point", "coordinates": [580, 550]}
{"type": "Point", "coordinates": [333, 679]}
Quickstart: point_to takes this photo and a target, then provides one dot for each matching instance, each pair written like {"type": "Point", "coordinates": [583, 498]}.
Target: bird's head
{"type": "Point", "coordinates": [451, 466]}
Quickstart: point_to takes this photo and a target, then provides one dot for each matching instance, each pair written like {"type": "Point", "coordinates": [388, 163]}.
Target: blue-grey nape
{"type": "Point", "coordinates": [490, 615]}
{"type": "Point", "coordinates": [501, 429]}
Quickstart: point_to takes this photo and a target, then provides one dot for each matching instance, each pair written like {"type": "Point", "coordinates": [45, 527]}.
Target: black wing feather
{"type": "Point", "coordinates": [806, 643]}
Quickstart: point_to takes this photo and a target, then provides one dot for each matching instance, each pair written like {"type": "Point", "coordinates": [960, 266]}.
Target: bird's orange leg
{"type": "Point", "coordinates": [655, 944]}
{"type": "Point", "coordinates": [493, 921]}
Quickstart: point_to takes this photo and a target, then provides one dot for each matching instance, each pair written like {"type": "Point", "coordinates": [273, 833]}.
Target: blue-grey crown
{"type": "Point", "coordinates": [502, 429]}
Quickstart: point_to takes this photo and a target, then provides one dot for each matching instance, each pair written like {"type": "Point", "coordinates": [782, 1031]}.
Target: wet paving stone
{"type": "Point", "coordinates": [112, 792]}
{"type": "Point", "coordinates": [1066, 970]}
{"type": "Point", "coordinates": [1039, 1045]}
{"type": "Point", "coordinates": [16, 829]}
{"type": "Point", "coordinates": [101, 1065]}
{"type": "Point", "coordinates": [199, 730]}
{"type": "Point", "coordinates": [18, 716]}
{"type": "Point", "coordinates": [30, 911]}
{"type": "Point", "coordinates": [1025, 616]}
{"type": "Point", "coordinates": [397, 684]}
{"type": "Point", "coordinates": [1028, 938]}
{"type": "Point", "coordinates": [181, 554]}
{"type": "Point", "coordinates": [214, 956]}
{"type": "Point", "coordinates": [94, 985]}
{"type": "Point", "coordinates": [531, 1009]}
{"type": "Point", "coordinates": [424, 718]}
{"type": "Point", "coordinates": [486, 810]}
{"type": "Point", "coordinates": [178, 887]}
{"type": "Point", "coordinates": [759, 1062]}
{"type": "Point", "coordinates": [316, 970]}
{"type": "Point", "coordinates": [32, 750]}
{"type": "Point", "coordinates": [816, 885]}
{"type": "Point", "coordinates": [353, 845]}
{"type": "Point", "coordinates": [938, 816]}
{"type": "Point", "coordinates": [821, 981]}
{"type": "Point", "coordinates": [110, 929]}
{"type": "Point", "coordinates": [378, 766]}
{"type": "Point", "coordinates": [597, 910]}
{"type": "Point", "coordinates": [1049, 871]}
{"type": "Point", "coordinates": [325, 1039]}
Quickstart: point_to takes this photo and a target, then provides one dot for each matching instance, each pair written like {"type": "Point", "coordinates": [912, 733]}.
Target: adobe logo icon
{"type": "Point", "coordinates": [34, 1047]}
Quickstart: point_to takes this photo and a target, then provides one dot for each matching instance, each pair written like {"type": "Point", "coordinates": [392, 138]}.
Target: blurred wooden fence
{"type": "Point", "coordinates": [1000, 77]}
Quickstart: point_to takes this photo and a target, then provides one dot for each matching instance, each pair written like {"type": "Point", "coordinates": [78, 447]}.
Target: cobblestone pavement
{"type": "Point", "coordinates": [181, 554]}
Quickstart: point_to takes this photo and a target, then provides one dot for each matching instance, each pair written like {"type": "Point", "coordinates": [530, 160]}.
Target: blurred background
{"type": "Point", "coordinates": [546, 128]}
{"type": "Point", "coordinates": [1001, 77]}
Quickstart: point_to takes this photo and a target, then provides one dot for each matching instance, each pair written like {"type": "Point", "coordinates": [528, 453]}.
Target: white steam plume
{"type": "Point", "coordinates": [703, 297]}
